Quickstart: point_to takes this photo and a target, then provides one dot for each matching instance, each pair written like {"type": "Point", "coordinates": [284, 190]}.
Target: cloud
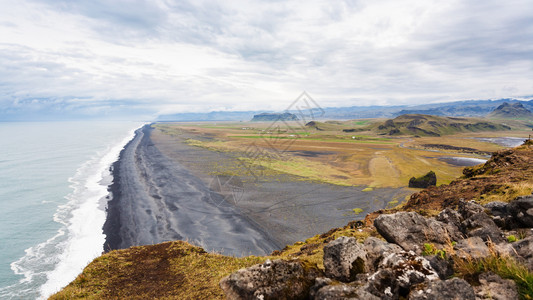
{"type": "Point", "coordinates": [88, 57]}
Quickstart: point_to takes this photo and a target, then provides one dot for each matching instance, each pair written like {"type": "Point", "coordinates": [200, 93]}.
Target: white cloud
{"type": "Point", "coordinates": [165, 56]}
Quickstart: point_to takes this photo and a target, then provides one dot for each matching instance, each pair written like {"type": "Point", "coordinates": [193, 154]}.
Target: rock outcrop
{"type": "Point", "coordinates": [410, 230]}
{"type": "Point", "coordinates": [344, 258]}
{"type": "Point", "coordinates": [494, 287]}
{"type": "Point", "coordinates": [524, 249]}
{"type": "Point", "coordinates": [377, 250]}
{"type": "Point", "coordinates": [473, 247]}
{"type": "Point", "coordinates": [415, 262]}
{"type": "Point", "coordinates": [522, 210]}
{"type": "Point", "coordinates": [455, 288]}
{"type": "Point", "coordinates": [423, 182]}
{"type": "Point", "coordinates": [278, 279]}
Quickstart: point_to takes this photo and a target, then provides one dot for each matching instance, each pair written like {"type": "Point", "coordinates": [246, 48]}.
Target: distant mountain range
{"type": "Point", "coordinates": [274, 117]}
{"type": "Point", "coordinates": [469, 108]}
{"type": "Point", "coordinates": [511, 111]}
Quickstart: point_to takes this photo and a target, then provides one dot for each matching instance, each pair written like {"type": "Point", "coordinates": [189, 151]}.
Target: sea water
{"type": "Point", "coordinates": [53, 193]}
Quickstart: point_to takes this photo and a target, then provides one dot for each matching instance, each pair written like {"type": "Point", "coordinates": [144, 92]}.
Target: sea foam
{"type": "Point", "coordinates": [83, 217]}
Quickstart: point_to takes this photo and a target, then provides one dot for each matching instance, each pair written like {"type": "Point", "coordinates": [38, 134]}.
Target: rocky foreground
{"type": "Point", "coordinates": [417, 260]}
{"type": "Point", "coordinates": [471, 239]}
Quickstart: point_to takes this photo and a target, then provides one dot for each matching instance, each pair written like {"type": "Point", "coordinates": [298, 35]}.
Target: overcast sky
{"type": "Point", "coordinates": [142, 58]}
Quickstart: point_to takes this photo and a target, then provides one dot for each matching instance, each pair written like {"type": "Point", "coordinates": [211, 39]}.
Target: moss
{"type": "Point", "coordinates": [357, 211]}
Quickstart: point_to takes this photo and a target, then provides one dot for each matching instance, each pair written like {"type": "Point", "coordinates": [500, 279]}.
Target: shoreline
{"type": "Point", "coordinates": [154, 200]}
{"type": "Point", "coordinates": [163, 190]}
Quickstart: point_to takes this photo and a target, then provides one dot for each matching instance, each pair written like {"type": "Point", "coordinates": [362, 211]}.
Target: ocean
{"type": "Point", "coordinates": [53, 193]}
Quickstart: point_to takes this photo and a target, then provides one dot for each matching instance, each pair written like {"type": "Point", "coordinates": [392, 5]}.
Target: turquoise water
{"type": "Point", "coordinates": [53, 189]}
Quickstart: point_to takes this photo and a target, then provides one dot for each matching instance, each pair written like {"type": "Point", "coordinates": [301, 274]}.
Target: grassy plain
{"type": "Point", "coordinates": [346, 153]}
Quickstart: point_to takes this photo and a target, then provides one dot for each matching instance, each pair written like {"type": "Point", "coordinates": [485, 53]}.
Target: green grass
{"type": "Point", "coordinates": [347, 139]}
{"type": "Point", "coordinates": [173, 270]}
{"type": "Point", "coordinates": [505, 267]}
{"type": "Point", "coordinates": [305, 169]}
{"type": "Point", "coordinates": [360, 123]}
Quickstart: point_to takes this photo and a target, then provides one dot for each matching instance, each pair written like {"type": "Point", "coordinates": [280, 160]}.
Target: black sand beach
{"type": "Point", "coordinates": [156, 200]}
{"type": "Point", "coordinates": [164, 190]}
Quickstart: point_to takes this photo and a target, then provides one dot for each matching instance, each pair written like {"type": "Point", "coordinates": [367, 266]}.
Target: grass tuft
{"type": "Point", "coordinates": [505, 267]}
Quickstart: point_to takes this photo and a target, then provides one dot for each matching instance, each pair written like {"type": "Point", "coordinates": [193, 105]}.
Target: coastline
{"type": "Point", "coordinates": [163, 191]}
{"type": "Point", "coordinates": [156, 200]}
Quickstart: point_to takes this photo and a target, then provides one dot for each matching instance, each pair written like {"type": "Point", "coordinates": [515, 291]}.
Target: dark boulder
{"type": "Point", "coordinates": [451, 289]}
{"type": "Point", "coordinates": [469, 208]}
{"type": "Point", "coordinates": [481, 225]}
{"type": "Point", "coordinates": [397, 273]}
{"type": "Point", "coordinates": [494, 287]}
{"type": "Point", "coordinates": [499, 211]}
{"type": "Point", "coordinates": [411, 230]}
{"type": "Point", "coordinates": [472, 248]}
{"type": "Point", "coordinates": [476, 222]}
{"type": "Point", "coordinates": [453, 221]}
{"type": "Point", "coordinates": [443, 266]}
{"type": "Point", "coordinates": [344, 258]}
{"type": "Point", "coordinates": [278, 279]}
{"type": "Point", "coordinates": [377, 250]}
{"type": "Point", "coordinates": [522, 210]}
{"type": "Point", "coordinates": [450, 216]}
{"type": "Point", "coordinates": [497, 208]}
{"type": "Point", "coordinates": [343, 291]}
{"type": "Point", "coordinates": [524, 248]}
{"type": "Point", "coordinates": [430, 179]}
{"type": "Point", "coordinates": [384, 285]}
{"type": "Point", "coordinates": [320, 282]}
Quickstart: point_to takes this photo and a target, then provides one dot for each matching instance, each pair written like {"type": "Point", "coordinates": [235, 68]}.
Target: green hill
{"type": "Point", "coordinates": [426, 125]}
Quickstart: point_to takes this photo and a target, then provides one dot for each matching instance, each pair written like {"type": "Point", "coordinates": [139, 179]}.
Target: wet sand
{"type": "Point", "coordinates": [165, 190]}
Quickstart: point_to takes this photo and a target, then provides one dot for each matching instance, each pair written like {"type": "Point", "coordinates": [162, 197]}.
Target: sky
{"type": "Point", "coordinates": [139, 59]}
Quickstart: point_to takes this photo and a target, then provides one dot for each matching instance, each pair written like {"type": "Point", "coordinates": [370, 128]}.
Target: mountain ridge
{"type": "Point", "coordinates": [428, 125]}
{"type": "Point", "coordinates": [462, 108]}
{"type": "Point", "coordinates": [511, 111]}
